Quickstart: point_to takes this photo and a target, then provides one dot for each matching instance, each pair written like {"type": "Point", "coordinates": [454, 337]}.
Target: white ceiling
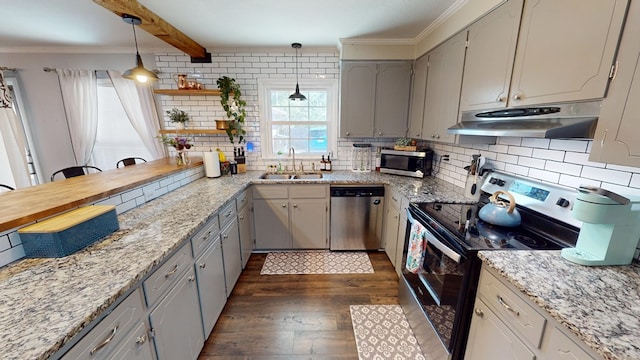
{"type": "Point", "coordinates": [82, 25]}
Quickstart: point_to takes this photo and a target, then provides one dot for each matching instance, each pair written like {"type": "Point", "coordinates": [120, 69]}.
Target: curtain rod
{"type": "Point", "coordinates": [7, 68]}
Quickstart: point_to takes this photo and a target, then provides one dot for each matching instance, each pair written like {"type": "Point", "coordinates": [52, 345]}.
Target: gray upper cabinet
{"type": "Point", "coordinates": [418, 90]}
{"type": "Point", "coordinates": [374, 98]}
{"type": "Point", "coordinates": [616, 137]}
{"type": "Point", "coordinates": [444, 82]}
{"type": "Point", "coordinates": [491, 48]}
{"type": "Point", "coordinates": [565, 50]}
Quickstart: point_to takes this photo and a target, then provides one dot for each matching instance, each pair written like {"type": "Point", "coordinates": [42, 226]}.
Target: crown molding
{"type": "Point", "coordinates": [441, 19]}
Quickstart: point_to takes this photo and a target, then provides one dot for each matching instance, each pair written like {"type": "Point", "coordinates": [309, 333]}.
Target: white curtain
{"type": "Point", "coordinates": [137, 101]}
{"type": "Point", "coordinates": [80, 98]}
{"type": "Point", "coordinates": [12, 138]}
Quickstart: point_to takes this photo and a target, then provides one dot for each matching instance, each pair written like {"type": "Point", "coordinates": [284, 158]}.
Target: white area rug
{"type": "Point", "coordinates": [382, 332]}
{"type": "Point", "coordinates": [316, 262]}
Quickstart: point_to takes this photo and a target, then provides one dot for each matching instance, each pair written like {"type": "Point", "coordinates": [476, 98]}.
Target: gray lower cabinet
{"type": "Point", "coordinates": [176, 320]}
{"type": "Point", "coordinates": [391, 222]}
{"type": "Point", "coordinates": [211, 285]}
{"type": "Point", "coordinates": [507, 325]}
{"type": "Point", "coordinates": [230, 240]}
{"type": "Point", "coordinates": [245, 226]}
{"type": "Point", "coordinates": [114, 334]}
{"type": "Point", "coordinates": [291, 217]}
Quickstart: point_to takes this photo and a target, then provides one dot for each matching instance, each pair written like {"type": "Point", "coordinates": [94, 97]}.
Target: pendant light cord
{"type": "Point", "coordinates": [296, 66]}
{"type": "Point", "coordinates": [135, 38]}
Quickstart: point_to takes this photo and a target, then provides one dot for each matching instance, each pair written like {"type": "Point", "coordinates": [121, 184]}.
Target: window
{"type": "Point", "coordinates": [310, 126]}
{"type": "Point", "coordinates": [116, 138]}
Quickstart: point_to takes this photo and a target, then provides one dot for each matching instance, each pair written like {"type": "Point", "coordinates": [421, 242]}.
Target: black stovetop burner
{"type": "Point", "coordinates": [460, 225]}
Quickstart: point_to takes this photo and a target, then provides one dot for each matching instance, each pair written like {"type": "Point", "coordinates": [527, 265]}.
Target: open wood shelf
{"type": "Point", "coordinates": [194, 131]}
{"type": "Point", "coordinates": [186, 92]}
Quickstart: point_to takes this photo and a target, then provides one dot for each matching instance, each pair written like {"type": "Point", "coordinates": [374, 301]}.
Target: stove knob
{"type": "Point", "coordinates": [562, 202]}
{"type": "Point", "coordinates": [500, 182]}
{"type": "Point", "coordinates": [493, 180]}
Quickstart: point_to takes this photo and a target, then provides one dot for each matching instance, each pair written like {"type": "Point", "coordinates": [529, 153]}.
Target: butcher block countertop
{"type": "Point", "coordinates": [45, 303]}
{"type": "Point", "coordinates": [24, 206]}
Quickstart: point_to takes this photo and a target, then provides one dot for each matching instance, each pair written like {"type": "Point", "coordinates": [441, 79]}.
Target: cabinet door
{"type": "Point", "coordinates": [402, 229]}
{"type": "Point", "coordinates": [211, 285]}
{"type": "Point", "coordinates": [271, 221]}
{"type": "Point", "coordinates": [616, 138]}
{"type": "Point", "coordinates": [418, 90]}
{"type": "Point", "coordinates": [309, 219]}
{"type": "Point", "coordinates": [393, 88]}
{"type": "Point", "coordinates": [230, 237]}
{"type": "Point", "coordinates": [175, 321]}
{"type": "Point", "coordinates": [491, 48]}
{"type": "Point", "coordinates": [490, 339]}
{"type": "Point", "coordinates": [565, 50]}
{"type": "Point", "coordinates": [443, 89]}
{"type": "Point", "coordinates": [245, 224]}
{"type": "Point", "coordinates": [137, 346]}
{"type": "Point", "coordinates": [391, 222]}
{"type": "Point", "coordinates": [358, 94]}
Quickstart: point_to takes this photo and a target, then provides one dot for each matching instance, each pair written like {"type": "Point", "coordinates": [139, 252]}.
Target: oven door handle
{"type": "Point", "coordinates": [437, 243]}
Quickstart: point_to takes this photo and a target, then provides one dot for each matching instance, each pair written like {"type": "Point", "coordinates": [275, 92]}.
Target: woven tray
{"type": "Point", "coordinates": [405, 147]}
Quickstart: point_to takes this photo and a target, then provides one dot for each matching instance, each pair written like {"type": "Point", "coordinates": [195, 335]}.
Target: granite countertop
{"type": "Point", "coordinates": [600, 305]}
{"type": "Point", "coordinates": [45, 302]}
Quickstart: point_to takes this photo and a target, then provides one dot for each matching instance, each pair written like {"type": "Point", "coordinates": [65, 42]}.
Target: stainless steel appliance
{"type": "Point", "coordinates": [356, 217]}
{"type": "Point", "coordinates": [569, 120]}
{"type": "Point", "coordinates": [441, 268]}
{"type": "Point", "coordinates": [408, 163]}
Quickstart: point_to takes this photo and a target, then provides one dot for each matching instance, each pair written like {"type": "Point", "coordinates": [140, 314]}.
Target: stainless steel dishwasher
{"type": "Point", "coordinates": [356, 217]}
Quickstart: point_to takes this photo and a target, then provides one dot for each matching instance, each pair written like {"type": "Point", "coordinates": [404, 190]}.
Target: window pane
{"type": "Point", "coordinates": [280, 131]}
{"type": "Point", "coordinates": [299, 113]}
{"type": "Point", "coordinates": [318, 114]}
{"type": "Point", "coordinates": [317, 98]}
{"type": "Point", "coordinates": [279, 113]}
{"type": "Point", "coordinates": [280, 98]}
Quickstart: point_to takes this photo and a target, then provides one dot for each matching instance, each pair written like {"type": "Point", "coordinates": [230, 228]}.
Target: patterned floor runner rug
{"type": "Point", "coordinates": [382, 332]}
{"type": "Point", "coordinates": [317, 262]}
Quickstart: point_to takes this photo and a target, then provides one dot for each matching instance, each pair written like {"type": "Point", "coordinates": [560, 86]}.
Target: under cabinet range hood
{"type": "Point", "coordinates": [557, 121]}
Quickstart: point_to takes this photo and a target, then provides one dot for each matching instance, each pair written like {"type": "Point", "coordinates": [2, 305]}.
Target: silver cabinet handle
{"type": "Point", "coordinates": [141, 339]}
{"type": "Point", "coordinates": [517, 97]}
{"type": "Point", "coordinates": [105, 342]}
{"type": "Point", "coordinates": [347, 133]}
{"type": "Point", "coordinates": [437, 136]}
{"type": "Point", "coordinates": [203, 265]}
{"type": "Point", "coordinates": [191, 278]}
{"type": "Point", "coordinates": [225, 236]}
{"type": "Point", "coordinates": [241, 217]}
{"type": "Point", "coordinates": [173, 271]}
{"type": "Point", "coordinates": [295, 205]}
{"type": "Point", "coordinates": [500, 99]}
{"type": "Point", "coordinates": [228, 214]}
{"type": "Point", "coordinates": [479, 312]}
{"type": "Point", "coordinates": [284, 205]}
{"type": "Point", "coordinates": [379, 132]}
{"type": "Point", "coordinates": [506, 306]}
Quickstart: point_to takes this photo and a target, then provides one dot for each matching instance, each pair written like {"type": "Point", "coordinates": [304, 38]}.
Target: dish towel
{"type": "Point", "coordinates": [416, 249]}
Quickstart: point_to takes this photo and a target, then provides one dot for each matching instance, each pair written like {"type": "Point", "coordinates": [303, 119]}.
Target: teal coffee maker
{"type": "Point", "coordinates": [610, 230]}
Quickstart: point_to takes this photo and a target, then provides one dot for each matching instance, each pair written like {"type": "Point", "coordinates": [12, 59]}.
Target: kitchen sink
{"type": "Point", "coordinates": [291, 176]}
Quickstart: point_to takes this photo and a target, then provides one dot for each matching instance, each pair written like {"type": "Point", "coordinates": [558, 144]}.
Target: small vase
{"type": "Point", "coordinates": [180, 126]}
{"type": "Point", "coordinates": [182, 158]}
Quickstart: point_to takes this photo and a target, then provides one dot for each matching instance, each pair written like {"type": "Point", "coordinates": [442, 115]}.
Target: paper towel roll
{"type": "Point", "coordinates": [211, 164]}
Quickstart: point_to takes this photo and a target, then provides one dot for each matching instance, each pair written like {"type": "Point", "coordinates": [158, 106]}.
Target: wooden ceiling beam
{"type": "Point", "coordinates": [156, 26]}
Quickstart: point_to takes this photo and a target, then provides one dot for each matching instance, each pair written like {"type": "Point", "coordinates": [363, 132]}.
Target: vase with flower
{"type": "Point", "coordinates": [178, 117]}
{"type": "Point", "coordinates": [182, 145]}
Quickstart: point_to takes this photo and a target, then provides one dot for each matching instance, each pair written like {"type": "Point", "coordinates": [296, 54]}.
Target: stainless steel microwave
{"type": "Point", "coordinates": [408, 163]}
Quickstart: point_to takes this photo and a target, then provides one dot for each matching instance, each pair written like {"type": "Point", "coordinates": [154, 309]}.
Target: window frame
{"type": "Point", "coordinates": [265, 86]}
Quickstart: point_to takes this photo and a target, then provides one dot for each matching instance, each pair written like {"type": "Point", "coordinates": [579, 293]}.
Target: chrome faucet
{"type": "Point", "coordinates": [293, 151]}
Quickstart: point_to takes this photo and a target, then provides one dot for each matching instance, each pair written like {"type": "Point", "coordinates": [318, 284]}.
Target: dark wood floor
{"type": "Point", "coordinates": [297, 316]}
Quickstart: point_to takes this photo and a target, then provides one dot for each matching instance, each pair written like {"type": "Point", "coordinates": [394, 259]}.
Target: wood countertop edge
{"type": "Point", "coordinates": [24, 206]}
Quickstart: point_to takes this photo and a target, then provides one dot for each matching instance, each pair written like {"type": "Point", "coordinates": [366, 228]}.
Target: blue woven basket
{"type": "Point", "coordinates": [67, 233]}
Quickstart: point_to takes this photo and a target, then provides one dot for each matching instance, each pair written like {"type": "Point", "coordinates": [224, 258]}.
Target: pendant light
{"type": "Point", "coordinates": [138, 73]}
{"type": "Point", "coordinates": [297, 95]}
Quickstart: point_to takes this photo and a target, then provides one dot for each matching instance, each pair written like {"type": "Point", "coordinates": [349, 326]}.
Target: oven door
{"type": "Point", "coordinates": [435, 273]}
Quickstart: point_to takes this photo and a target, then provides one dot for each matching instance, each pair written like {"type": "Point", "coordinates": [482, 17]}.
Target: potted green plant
{"type": "Point", "coordinates": [179, 117]}
{"type": "Point", "coordinates": [233, 105]}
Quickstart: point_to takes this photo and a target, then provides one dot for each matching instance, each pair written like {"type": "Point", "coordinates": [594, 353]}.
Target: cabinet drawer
{"type": "Point", "coordinates": [205, 236]}
{"type": "Point", "coordinates": [227, 213]}
{"type": "Point", "coordinates": [511, 308]}
{"type": "Point", "coordinates": [562, 347]}
{"type": "Point", "coordinates": [242, 200]}
{"type": "Point", "coordinates": [102, 340]}
{"type": "Point", "coordinates": [167, 274]}
{"type": "Point", "coordinates": [270, 192]}
{"type": "Point", "coordinates": [308, 191]}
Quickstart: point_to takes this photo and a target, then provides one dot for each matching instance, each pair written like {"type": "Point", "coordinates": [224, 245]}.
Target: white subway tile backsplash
{"type": "Point", "coordinates": [635, 181]}
{"type": "Point", "coordinates": [576, 181]}
{"type": "Point", "coordinates": [517, 169]}
{"type": "Point", "coordinates": [508, 158]}
{"type": "Point", "coordinates": [531, 162]}
{"type": "Point", "coordinates": [581, 158]}
{"type": "Point", "coordinates": [610, 176]}
{"type": "Point", "coordinates": [548, 154]}
{"type": "Point", "coordinates": [549, 176]}
{"type": "Point", "coordinates": [507, 140]}
{"type": "Point", "coordinates": [536, 143]}
{"type": "Point", "coordinates": [560, 167]}
{"type": "Point", "coordinates": [519, 150]}
{"type": "Point", "coordinates": [569, 145]}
